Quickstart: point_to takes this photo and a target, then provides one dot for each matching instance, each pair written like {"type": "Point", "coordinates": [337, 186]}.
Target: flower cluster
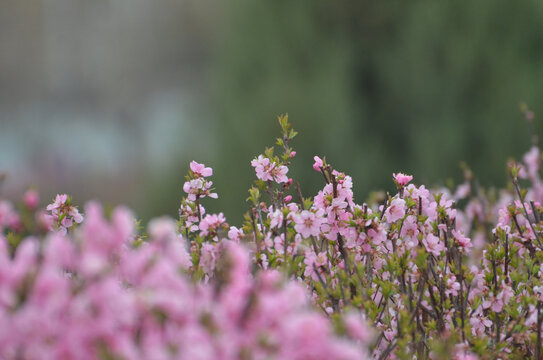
{"type": "Point", "coordinates": [269, 170]}
{"type": "Point", "coordinates": [197, 186]}
{"type": "Point", "coordinates": [421, 273]}
{"type": "Point", "coordinates": [421, 265]}
{"type": "Point", "coordinates": [63, 213]}
{"type": "Point", "coordinates": [103, 293]}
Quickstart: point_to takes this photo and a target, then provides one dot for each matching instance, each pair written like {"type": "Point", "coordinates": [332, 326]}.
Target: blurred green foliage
{"type": "Point", "coordinates": [376, 86]}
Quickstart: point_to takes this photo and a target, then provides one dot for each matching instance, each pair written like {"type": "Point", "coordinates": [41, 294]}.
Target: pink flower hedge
{"type": "Point", "coordinates": [103, 292]}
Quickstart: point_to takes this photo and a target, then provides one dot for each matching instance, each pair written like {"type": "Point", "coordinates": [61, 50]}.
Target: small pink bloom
{"type": "Point", "coordinates": [208, 258]}
{"type": "Point", "coordinates": [200, 170]}
{"type": "Point", "coordinates": [31, 199]}
{"type": "Point", "coordinates": [267, 170]}
{"type": "Point", "coordinates": [357, 328]}
{"type": "Point", "coordinates": [396, 210]}
{"type": "Point", "coordinates": [211, 223]}
{"type": "Point", "coordinates": [276, 218]}
{"type": "Point", "coordinates": [531, 159]}
{"type": "Point", "coordinates": [279, 174]}
{"type": "Point", "coordinates": [401, 179]}
{"type": "Point", "coordinates": [235, 234]}
{"type": "Point", "coordinates": [308, 223]}
{"type": "Point", "coordinates": [318, 163]}
{"type": "Point", "coordinates": [59, 201]}
{"type": "Point", "coordinates": [462, 191]}
{"type": "Point", "coordinates": [479, 325]}
{"type": "Point", "coordinates": [465, 356]}
{"type": "Point", "coordinates": [462, 241]}
{"type": "Point", "coordinates": [64, 213]}
{"type": "Point", "coordinates": [77, 217]}
{"type": "Point", "coordinates": [162, 229]}
{"type": "Point", "coordinates": [433, 244]}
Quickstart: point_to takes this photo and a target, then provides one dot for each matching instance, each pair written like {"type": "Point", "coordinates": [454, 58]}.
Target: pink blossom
{"type": "Point", "coordinates": [479, 325]}
{"type": "Point", "coordinates": [464, 242]}
{"type": "Point", "coordinates": [465, 356]}
{"type": "Point", "coordinates": [200, 170]}
{"type": "Point", "coordinates": [210, 223]}
{"type": "Point", "coordinates": [321, 259]}
{"type": "Point", "coordinates": [208, 258]}
{"type": "Point", "coordinates": [276, 218]}
{"type": "Point", "coordinates": [357, 328]}
{"type": "Point", "coordinates": [308, 223]}
{"type": "Point", "coordinates": [262, 165]}
{"type": "Point", "coordinates": [433, 244]}
{"type": "Point", "coordinates": [8, 215]}
{"type": "Point", "coordinates": [189, 213]}
{"type": "Point", "coordinates": [162, 229]}
{"type": "Point", "coordinates": [377, 237]}
{"type": "Point", "coordinates": [267, 170]}
{"type": "Point", "coordinates": [532, 159]}
{"type": "Point", "coordinates": [395, 211]}
{"type": "Point", "coordinates": [198, 187]}
{"type": "Point", "coordinates": [235, 234]}
{"type": "Point", "coordinates": [462, 191]}
{"type": "Point", "coordinates": [31, 199]}
{"type": "Point", "coordinates": [59, 201]}
{"type": "Point", "coordinates": [64, 213]}
{"type": "Point", "coordinates": [280, 174]}
{"type": "Point", "coordinates": [410, 231]}
{"type": "Point", "coordinates": [318, 163]}
{"type": "Point", "coordinates": [401, 179]}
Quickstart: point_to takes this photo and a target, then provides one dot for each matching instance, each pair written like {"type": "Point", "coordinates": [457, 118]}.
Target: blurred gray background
{"type": "Point", "coordinates": [110, 99]}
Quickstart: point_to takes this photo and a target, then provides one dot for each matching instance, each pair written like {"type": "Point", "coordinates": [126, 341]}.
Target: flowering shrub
{"type": "Point", "coordinates": [104, 292]}
{"type": "Point", "coordinates": [416, 274]}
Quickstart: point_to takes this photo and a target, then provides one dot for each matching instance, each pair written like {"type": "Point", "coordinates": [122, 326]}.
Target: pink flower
{"type": "Point", "coordinates": [267, 170]}
{"type": "Point", "coordinates": [276, 218]}
{"type": "Point", "coordinates": [200, 170]}
{"type": "Point", "coordinates": [8, 215]}
{"type": "Point", "coordinates": [396, 210]}
{"type": "Point", "coordinates": [162, 229]}
{"type": "Point", "coordinates": [479, 325]}
{"type": "Point", "coordinates": [198, 187]}
{"type": "Point", "coordinates": [59, 201]}
{"type": "Point", "coordinates": [462, 191]}
{"type": "Point", "coordinates": [76, 216]}
{"type": "Point", "coordinates": [31, 199]}
{"type": "Point", "coordinates": [465, 356]}
{"type": "Point", "coordinates": [531, 159]}
{"type": "Point", "coordinates": [464, 242]}
{"type": "Point", "coordinates": [433, 244]}
{"type": "Point", "coordinates": [208, 258]}
{"type": "Point", "coordinates": [262, 165]}
{"type": "Point", "coordinates": [357, 328]}
{"type": "Point", "coordinates": [64, 213]}
{"type": "Point", "coordinates": [211, 223]}
{"type": "Point", "coordinates": [279, 174]}
{"type": "Point", "coordinates": [308, 223]}
{"type": "Point", "coordinates": [321, 259]}
{"type": "Point", "coordinates": [410, 231]}
{"type": "Point", "coordinates": [401, 179]}
{"type": "Point", "coordinates": [318, 163]}
{"type": "Point", "coordinates": [377, 237]}
{"type": "Point", "coordinates": [235, 234]}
